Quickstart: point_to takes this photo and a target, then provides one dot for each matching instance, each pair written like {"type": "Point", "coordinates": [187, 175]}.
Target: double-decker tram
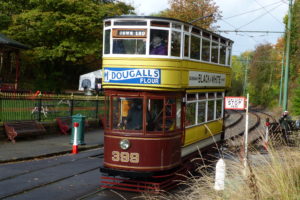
{"type": "Point", "coordinates": [164, 82]}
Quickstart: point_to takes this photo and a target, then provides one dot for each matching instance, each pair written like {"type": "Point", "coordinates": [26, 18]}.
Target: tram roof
{"type": "Point", "coordinates": [163, 18]}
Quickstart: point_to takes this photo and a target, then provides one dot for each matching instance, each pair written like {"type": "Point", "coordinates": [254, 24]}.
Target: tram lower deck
{"type": "Point", "coordinates": [152, 131]}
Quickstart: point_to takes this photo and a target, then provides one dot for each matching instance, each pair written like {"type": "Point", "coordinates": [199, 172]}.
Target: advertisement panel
{"type": "Point", "coordinates": [205, 79]}
{"type": "Point", "coordinates": [132, 76]}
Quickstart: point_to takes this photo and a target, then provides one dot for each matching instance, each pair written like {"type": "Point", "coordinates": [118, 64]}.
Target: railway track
{"type": "Point", "coordinates": [30, 186]}
{"type": "Point", "coordinates": [35, 176]}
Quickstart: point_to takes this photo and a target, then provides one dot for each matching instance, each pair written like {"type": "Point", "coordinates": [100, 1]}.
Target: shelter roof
{"type": "Point", "coordinates": [11, 43]}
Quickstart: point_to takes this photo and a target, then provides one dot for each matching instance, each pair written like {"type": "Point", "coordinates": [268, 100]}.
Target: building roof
{"type": "Point", "coordinates": [11, 43]}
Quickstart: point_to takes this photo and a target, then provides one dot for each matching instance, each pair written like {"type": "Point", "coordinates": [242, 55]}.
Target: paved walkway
{"type": "Point", "coordinates": [46, 146]}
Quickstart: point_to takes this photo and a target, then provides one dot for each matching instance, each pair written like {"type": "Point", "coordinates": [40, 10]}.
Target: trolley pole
{"type": "Point", "coordinates": [287, 58]}
{"type": "Point", "coordinates": [246, 135]}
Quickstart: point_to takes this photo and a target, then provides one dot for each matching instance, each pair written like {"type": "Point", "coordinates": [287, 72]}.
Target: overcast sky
{"type": "Point", "coordinates": [259, 15]}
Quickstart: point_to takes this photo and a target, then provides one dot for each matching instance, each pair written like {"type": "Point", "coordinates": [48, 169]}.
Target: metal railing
{"type": "Point", "coordinates": [14, 106]}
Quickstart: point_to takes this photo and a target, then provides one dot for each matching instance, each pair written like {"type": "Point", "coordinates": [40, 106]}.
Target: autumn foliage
{"type": "Point", "coordinates": [189, 10]}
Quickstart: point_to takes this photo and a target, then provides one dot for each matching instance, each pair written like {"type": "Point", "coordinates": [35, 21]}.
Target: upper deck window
{"type": "Point", "coordinates": [129, 46]}
{"type": "Point", "coordinates": [130, 23]}
{"type": "Point", "coordinates": [162, 37]}
{"type": "Point", "coordinates": [159, 42]}
{"type": "Point", "coordinates": [175, 43]}
{"type": "Point", "coordinates": [205, 50]}
{"type": "Point", "coordinates": [107, 23]}
{"type": "Point", "coordinates": [129, 41]}
{"type": "Point", "coordinates": [107, 42]}
{"type": "Point", "coordinates": [160, 24]}
{"type": "Point", "coordinates": [196, 31]}
{"type": "Point", "coordinates": [206, 35]}
{"type": "Point", "coordinates": [186, 45]}
{"type": "Point", "coordinates": [186, 28]}
{"type": "Point", "coordinates": [222, 54]}
{"type": "Point", "coordinates": [176, 26]}
{"type": "Point", "coordinates": [195, 47]}
{"type": "Point", "coordinates": [214, 52]}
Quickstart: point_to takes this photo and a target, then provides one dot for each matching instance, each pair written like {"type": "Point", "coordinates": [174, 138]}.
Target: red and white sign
{"type": "Point", "coordinates": [235, 103]}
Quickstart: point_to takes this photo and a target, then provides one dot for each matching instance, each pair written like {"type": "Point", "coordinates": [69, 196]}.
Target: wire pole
{"type": "Point", "coordinates": [246, 76]}
{"type": "Point", "coordinates": [281, 81]}
{"type": "Point", "coordinates": [287, 58]}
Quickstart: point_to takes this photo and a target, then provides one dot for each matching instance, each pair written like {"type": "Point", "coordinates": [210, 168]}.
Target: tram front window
{"type": "Point", "coordinates": [129, 46]}
{"type": "Point", "coordinates": [127, 113]}
{"type": "Point", "coordinates": [155, 114]}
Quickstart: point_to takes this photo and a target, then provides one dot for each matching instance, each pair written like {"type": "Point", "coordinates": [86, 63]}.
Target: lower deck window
{"type": "Point", "coordinates": [203, 107]}
{"type": "Point", "coordinates": [163, 114]}
{"type": "Point", "coordinates": [155, 114]}
{"type": "Point", "coordinates": [190, 117]}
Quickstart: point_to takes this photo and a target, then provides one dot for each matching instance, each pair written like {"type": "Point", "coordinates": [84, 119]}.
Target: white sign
{"type": "Point", "coordinates": [132, 75]}
{"type": "Point", "coordinates": [206, 79]}
{"type": "Point", "coordinates": [235, 103]}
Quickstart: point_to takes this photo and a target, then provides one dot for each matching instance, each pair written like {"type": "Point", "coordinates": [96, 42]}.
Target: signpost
{"type": "Point", "coordinates": [240, 103]}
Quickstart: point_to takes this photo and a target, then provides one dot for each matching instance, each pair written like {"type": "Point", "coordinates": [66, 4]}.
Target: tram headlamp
{"type": "Point", "coordinates": [124, 144]}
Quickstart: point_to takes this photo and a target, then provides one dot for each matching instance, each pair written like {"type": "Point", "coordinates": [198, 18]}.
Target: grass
{"type": "Point", "coordinates": [270, 176]}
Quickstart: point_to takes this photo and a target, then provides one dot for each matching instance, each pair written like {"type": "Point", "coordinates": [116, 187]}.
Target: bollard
{"type": "Point", "coordinates": [266, 139]}
{"type": "Point", "coordinates": [220, 175]}
{"type": "Point", "coordinates": [75, 142]}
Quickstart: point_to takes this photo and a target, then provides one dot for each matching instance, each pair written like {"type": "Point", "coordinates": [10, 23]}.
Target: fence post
{"type": "Point", "coordinates": [1, 113]}
{"type": "Point", "coordinates": [39, 108]}
{"type": "Point", "coordinates": [72, 105]}
{"type": "Point", "coordinates": [97, 106]}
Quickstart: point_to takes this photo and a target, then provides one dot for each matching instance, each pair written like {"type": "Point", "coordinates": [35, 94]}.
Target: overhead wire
{"type": "Point", "coordinates": [252, 11]}
{"type": "Point", "coordinates": [268, 12]}
{"type": "Point", "coordinates": [239, 34]}
{"type": "Point", "coordinates": [257, 18]}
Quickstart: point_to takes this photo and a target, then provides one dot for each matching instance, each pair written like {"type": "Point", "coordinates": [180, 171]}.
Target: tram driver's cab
{"type": "Point", "coordinates": [151, 126]}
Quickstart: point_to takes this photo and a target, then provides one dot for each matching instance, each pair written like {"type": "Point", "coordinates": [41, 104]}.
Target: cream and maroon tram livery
{"type": "Point", "coordinates": [164, 82]}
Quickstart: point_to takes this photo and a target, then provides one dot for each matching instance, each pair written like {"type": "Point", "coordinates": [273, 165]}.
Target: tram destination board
{"type": "Point", "coordinates": [235, 103]}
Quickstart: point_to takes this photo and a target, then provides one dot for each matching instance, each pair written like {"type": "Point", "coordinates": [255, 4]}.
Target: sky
{"type": "Point", "coordinates": [243, 15]}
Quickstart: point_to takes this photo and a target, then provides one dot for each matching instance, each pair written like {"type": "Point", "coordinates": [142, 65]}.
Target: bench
{"type": "Point", "coordinates": [65, 124]}
{"type": "Point", "coordinates": [22, 127]}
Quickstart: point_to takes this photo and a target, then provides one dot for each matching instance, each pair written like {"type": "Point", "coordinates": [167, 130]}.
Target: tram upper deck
{"type": "Point", "coordinates": [153, 53]}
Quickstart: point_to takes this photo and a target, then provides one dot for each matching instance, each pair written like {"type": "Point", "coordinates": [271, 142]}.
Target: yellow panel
{"type": "Point", "coordinates": [174, 72]}
{"type": "Point", "coordinates": [201, 132]}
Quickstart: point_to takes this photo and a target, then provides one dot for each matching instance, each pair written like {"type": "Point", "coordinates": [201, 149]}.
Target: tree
{"type": "Point", "coordinates": [8, 9]}
{"type": "Point", "coordinates": [239, 65]}
{"type": "Point", "coordinates": [263, 83]}
{"type": "Point", "coordinates": [65, 38]}
{"type": "Point", "coordinates": [294, 58]}
{"type": "Point", "coordinates": [189, 10]}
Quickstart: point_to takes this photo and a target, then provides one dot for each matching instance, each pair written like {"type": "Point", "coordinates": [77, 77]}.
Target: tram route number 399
{"type": "Point", "coordinates": [235, 103]}
{"type": "Point", "coordinates": [125, 157]}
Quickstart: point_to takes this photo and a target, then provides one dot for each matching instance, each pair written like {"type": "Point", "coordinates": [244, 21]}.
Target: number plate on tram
{"type": "Point", "coordinates": [125, 157]}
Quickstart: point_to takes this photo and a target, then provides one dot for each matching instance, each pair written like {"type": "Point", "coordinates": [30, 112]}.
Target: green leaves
{"type": "Point", "coordinates": [61, 33]}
